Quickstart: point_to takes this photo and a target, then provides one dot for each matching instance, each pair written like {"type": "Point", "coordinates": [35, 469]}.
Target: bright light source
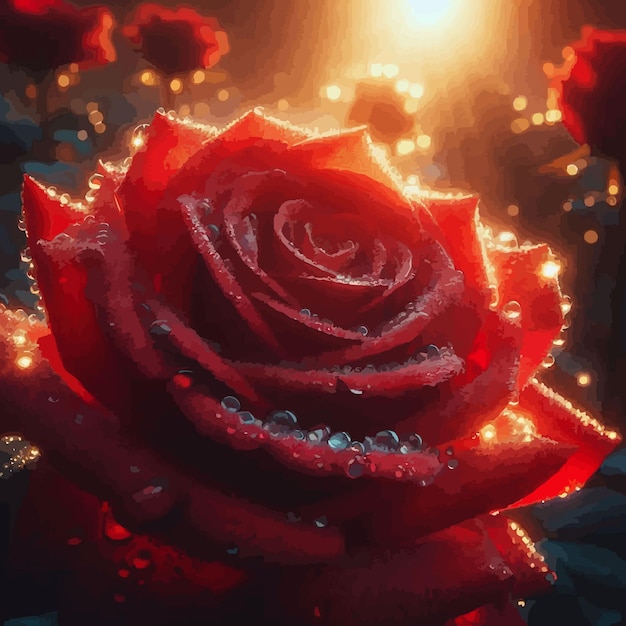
{"type": "Point", "coordinates": [390, 70]}
{"type": "Point", "coordinates": [590, 236]}
{"type": "Point", "coordinates": [429, 12]}
{"type": "Point", "coordinates": [405, 146]}
{"type": "Point", "coordinates": [423, 141]}
{"type": "Point", "coordinates": [572, 169]}
{"type": "Point", "coordinates": [176, 85]}
{"type": "Point", "coordinates": [333, 93]}
{"type": "Point", "coordinates": [550, 269]}
{"type": "Point", "coordinates": [583, 379]}
{"type": "Point", "coordinates": [520, 103]}
{"type": "Point", "coordinates": [416, 90]}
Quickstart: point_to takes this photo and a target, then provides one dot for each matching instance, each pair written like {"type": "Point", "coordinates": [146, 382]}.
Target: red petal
{"type": "Point", "coordinates": [449, 573]}
{"type": "Point", "coordinates": [520, 280]}
{"type": "Point", "coordinates": [555, 417]}
{"type": "Point", "coordinates": [44, 215]}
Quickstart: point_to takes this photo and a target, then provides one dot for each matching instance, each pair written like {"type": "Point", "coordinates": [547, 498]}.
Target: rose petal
{"type": "Point", "coordinates": [455, 225]}
{"type": "Point", "coordinates": [95, 451]}
{"type": "Point", "coordinates": [46, 216]}
{"type": "Point", "coordinates": [62, 278]}
{"type": "Point", "coordinates": [415, 585]}
{"type": "Point", "coordinates": [557, 417]}
{"type": "Point", "coordinates": [521, 280]}
{"type": "Point", "coordinates": [228, 283]}
{"type": "Point", "coordinates": [169, 144]}
{"type": "Point", "coordinates": [488, 477]}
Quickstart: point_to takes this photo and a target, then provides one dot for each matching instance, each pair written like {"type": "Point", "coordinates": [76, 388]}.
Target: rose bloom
{"type": "Point", "coordinates": [176, 41]}
{"type": "Point", "coordinates": [287, 381]}
{"type": "Point", "coordinates": [592, 89]}
{"type": "Point", "coordinates": [40, 35]}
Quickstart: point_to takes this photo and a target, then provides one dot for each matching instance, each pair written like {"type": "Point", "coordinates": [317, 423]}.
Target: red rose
{"type": "Point", "coordinates": [178, 40]}
{"type": "Point", "coordinates": [592, 91]}
{"type": "Point", "coordinates": [275, 330]}
{"type": "Point", "coordinates": [40, 35]}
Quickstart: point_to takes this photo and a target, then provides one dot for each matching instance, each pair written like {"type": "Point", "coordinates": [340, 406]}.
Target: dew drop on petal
{"type": "Point", "coordinates": [432, 350]}
{"type": "Point", "coordinates": [306, 312]}
{"type": "Point", "coordinates": [230, 403]}
{"type": "Point", "coordinates": [246, 417]}
{"type": "Point", "coordinates": [358, 447]}
{"type": "Point", "coordinates": [159, 328]}
{"type": "Point", "coordinates": [453, 463]}
{"type": "Point", "coordinates": [286, 419]}
{"type": "Point", "coordinates": [363, 330]}
{"type": "Point", "coordinates": [321, 522]}
{"type": "Point", "coordinates": [339, 441]}
{"type": "Point", "coordinates": [387, 439]}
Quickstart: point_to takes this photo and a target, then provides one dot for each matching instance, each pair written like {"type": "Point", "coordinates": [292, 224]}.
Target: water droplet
{"type": "Point", "coordinates": [306, 312]}
{"type": "Point", "coordinates": [299, 435]}
{"type": "Point", "coordinates": [432, 350]}
{"type": "Point", "coordinates": [213, 232]}
{"type": "Point", "coordinates": [512, 310]}
{"type": "Point", "coordinates": [321, 522]}
{"type": "Point", "coordinates": [548, 361]}
{"type": "Point", "coordinates": [283, 419]}
{"type": "Point", "coordinates": [95, 181]}
{"type": "Point", "coordinates": [25, 255]}
{"type": "Point", "coordinates": [355, 469]}
{"type": "Point", "coordinates": [339, 441]}
{"type": "Point", "coordinates": [143, 560]}
{"type": "Point", "coordinates": [205, 207]}
{"type": "Point", "coordinates": [230, 403]}
{"type": "Point", "coordinates": [53, 399]}
{"type": "Point", "coordinates": [363, 330]}
{"type": "Point", "coordinates": [358, 447]}
{"type": "Point", "coordinates": [246, 417]}
{"type": "Point", "coordinates": [159, 328]}
{"type": "Point", "coordinates": [292, 518]}
{"type": "Point", "coordinates": [318, 435]}
{"type": "Point", "coordinates": [453, 463]}
{"type": "Point", "coordinates": [387, 439]}
{"type": "Point", "coordinates": [449, 450]}
{"type": "Point", "coordinates": [183, 379]}
{"type": "Point", "coordinates": [134, 469]}
{"type": "Point", "coordinates": [232, 550]}
{"type": "Point", "coordinates": [78, 419]}
{"type": "Point", "coordinates": [414, 441]}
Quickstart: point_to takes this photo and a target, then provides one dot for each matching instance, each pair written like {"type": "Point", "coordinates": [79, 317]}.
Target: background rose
{"type": "Point", "coordinates": [267, 228]}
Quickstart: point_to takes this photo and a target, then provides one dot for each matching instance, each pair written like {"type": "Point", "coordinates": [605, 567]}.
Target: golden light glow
{"type": "Point", "coordinates": [282, 105]}
{"type": "Point", "coordinates": [198, 77]}
{"type": "Point", "coordinates": [223, 95]}
{"type": "Point", "coordinates": [553, 116]}
{"type": "Point", "coordinates": [423, 142]}
{"type": "Point", "coordinates": [390, 70]}
{"type": "Point", "coordinates": [550, 269]}
{"type": "Point", "coordinates": [176, 85]}
{"type": "Point", "coordinates": [24, 361]}
{"type": "Point", "coordinates": [148, 77]}
{"type": "Point", "coordinates": [566, 305]}
{"type": "Point", "coordinates": [333, 93]}
{"type": "Point", "coordinates": [613, 189]}
{"type": "Point", "coordinates": [19, 338]}
{"type": "Point", "coordinates": [568, 53]}
{"type": "Point", "coordinates": [376, 69]}
{"type": "Point", "coordinates": [416, 90]}
{"type": "Point", "coordinates": [548, 69]}
{"type": "Point", "coordinates": [100, 128]}
{"type": "Point", "coordinates": [411, 106]}
{"type": "Point", "coordinates": [520, 125]}
{"type": "Point", "coordinates": [428, 13]}
{"type": "Point", "coordinates": [488, 433]}
{"type": "Point", "coordinates": [96, 117]}
{"type": "Point", "coordinates": [512, 210]}
{"type": "Point", "coordinates": [591, 236]}
{"type": "Point", "coordinates": [91, 107]}
{"type": "Point", "coordinates": [82, 135]}
{"type": "Point", "coordinates": [572, 169]}
{"type": "Point", "coordinates": [537, 119]}
{"type": "Point", "coordinates": [137, 141]}
{"type": "Point", "coordinates": [405, 146]}
{"type": "Point", "coordinates": [402, 85]}
{"type": "Point", "coordinates": [507, 238]}
{"type": "Point", "coordinates": [583, 379]}
{"type": "Point", "coordinates": [520, 103]}
{"type": "Point", "coordinates": [63, 80]}
{"type": "Point", "coordinates": [589, 201]}
{"type": "Point", "coordinates": [567, 206]}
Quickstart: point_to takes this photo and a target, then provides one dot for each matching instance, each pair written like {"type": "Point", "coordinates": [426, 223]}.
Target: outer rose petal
{"type": "Point", "coordinates": [169, 144]}
{"type": "Point", "coordinates": [415, 585]}
{"type": "Point", "coordinates": [521, 280]}
{"type": "Point", "coordinates": [350, 150]}
{"type": "Point", "coordinates": [557, 417]}
{"type": "Point", "coordinates": [456, 223]}
{"type": "Point", "coordinates": [44, 215]}
{"type": "Point", "coordinates": [85, 448]}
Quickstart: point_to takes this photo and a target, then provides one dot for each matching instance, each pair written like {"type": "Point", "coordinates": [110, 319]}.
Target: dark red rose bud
{"type": "Point", "coordinates": [40, 36]}
{"type": "Point", "coordinates": [178, 40]}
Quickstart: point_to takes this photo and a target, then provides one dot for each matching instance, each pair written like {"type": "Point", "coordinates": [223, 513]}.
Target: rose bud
{"type": "Point", "coordinates": [264, 356]}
